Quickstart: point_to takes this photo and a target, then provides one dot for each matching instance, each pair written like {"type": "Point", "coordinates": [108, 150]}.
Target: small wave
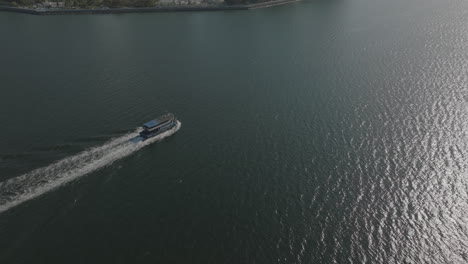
{"type": "Point", "coordinates": [13, 156]}
{"type": "Point", "coordinates": [37, 182]}
{"type": "Point", "coordinates": [95, 138]}
{"type": "Point", "coordinates": [62, 147]}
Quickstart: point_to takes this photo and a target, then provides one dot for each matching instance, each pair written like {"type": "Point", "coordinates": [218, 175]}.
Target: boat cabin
{"type": "Point", "coordinates": [158, 123]}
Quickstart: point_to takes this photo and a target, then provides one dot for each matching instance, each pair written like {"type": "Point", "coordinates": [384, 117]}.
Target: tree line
{"type": "Point", "coordinates": [113, 3]}
{"type": "Point", "coordinates": [90, 3]}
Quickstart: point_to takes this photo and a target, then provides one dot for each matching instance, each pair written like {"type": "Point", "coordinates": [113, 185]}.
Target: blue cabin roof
{"type": "Point", "coordinates": [151, 124]}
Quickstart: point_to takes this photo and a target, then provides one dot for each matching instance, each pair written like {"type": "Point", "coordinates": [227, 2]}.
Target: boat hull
{"type": "Point", "coordinates": [145, 134]}
{"type": "Point", "coordinates": [155, 133]}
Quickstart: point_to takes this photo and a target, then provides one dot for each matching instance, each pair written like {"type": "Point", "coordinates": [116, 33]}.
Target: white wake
{"type": "Point", "coordinates": [37, 182]}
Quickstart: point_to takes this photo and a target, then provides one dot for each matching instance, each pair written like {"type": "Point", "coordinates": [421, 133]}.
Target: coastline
{"type": "Point", "coordinates": [124, 10]}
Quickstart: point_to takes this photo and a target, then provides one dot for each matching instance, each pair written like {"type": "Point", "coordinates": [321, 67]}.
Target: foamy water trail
{"type": "Point", "coordinates": [37, 182]}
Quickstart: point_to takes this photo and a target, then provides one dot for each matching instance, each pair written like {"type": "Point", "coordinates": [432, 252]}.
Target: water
{"type": "Point", "coordinates": [31, 185]}
{"type": "Point", "coordinates": [318, 132]}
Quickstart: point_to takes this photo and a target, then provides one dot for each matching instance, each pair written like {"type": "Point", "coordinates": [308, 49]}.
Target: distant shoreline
{"type": "Point", "coordinates": [123, 10]}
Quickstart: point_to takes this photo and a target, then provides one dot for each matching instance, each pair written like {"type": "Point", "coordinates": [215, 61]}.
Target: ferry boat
{"type": "Point", "coordinates": [156, 127]}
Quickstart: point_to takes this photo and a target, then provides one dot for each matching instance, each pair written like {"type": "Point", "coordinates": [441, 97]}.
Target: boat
{"type": "Point", "coordinates": [155, 127]}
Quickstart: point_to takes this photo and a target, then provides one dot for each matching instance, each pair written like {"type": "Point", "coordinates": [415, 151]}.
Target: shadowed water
{"type": "Point", "coordinates": [318, 132]}
{"type": "Point", "coordinates": [31, 185]}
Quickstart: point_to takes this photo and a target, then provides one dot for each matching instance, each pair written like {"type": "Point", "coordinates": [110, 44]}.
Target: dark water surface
{"type": "Point", "coordinates": [318, 132]}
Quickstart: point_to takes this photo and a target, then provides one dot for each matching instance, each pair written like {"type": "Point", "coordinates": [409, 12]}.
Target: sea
{"type": "Point", "coordinates": [324, 131]}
